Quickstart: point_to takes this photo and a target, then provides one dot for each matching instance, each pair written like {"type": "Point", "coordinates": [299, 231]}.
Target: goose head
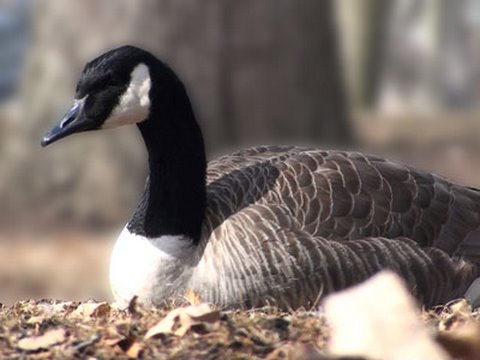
{"type": "Point", "coordinates": [129, 85]}
{"type": "Point", "coordinates": [113, 90]}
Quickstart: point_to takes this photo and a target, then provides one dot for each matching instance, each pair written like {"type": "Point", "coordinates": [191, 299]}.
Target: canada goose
{"type": "Point", "coordinates": [266, 225]}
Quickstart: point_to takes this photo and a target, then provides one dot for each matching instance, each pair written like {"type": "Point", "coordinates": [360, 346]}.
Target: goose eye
{"type": "Point", "coordinates": [99, 84]}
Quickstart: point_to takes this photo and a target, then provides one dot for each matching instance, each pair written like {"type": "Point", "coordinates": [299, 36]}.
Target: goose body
{"type": "Point", "coordinates": [270, 224]}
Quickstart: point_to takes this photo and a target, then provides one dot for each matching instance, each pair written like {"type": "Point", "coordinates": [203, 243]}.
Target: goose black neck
{"type": "Point", "coordinates": [173, 202]}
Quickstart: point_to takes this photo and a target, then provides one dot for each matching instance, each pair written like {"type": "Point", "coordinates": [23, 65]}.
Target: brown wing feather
{"type": "Point", "coordinates": [334, 218]}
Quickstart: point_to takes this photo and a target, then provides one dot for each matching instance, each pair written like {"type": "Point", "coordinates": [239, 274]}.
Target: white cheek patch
{"type": "Point", "coordinates": [134, 104]}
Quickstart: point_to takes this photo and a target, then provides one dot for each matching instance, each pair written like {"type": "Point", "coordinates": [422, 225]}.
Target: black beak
{"type": "Point", "coordinates": [74, 121]}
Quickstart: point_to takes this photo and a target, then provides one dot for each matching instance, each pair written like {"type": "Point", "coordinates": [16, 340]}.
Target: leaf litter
{"type": "Point", "coordinates": [58, 330]}
{"type": "Point", "coordinates": [48, 339]}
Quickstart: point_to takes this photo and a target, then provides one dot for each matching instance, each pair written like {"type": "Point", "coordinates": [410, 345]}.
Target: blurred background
{"type": "Point", "coordinates": [399, 78]}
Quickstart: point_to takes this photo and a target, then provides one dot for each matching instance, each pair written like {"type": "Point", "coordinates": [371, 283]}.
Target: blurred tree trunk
{"type": "Point", "coordinates": [364, 26]}
{"type": "Point", "coordinates": [257, 72]}
{"type": "Point", "coordinates": [285, 78]}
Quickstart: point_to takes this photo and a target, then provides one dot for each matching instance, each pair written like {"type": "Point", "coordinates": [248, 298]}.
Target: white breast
{"type": "Point", "coordinates": [152, 269]}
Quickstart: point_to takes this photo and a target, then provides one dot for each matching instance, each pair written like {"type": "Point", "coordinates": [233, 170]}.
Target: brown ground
{"type": "Point", "coordinates": [66, 265]}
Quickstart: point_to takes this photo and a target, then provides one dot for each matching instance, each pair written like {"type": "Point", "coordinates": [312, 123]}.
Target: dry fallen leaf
{"type": "Point", "coordinates": [92, 310]}
{"type": "Point", "coordinates": [50, 338]}
{"type": "Point", "coordinates": [36, 319]}
{"type": "Point", "coordinates": [129, 345]}
{"type": "Point", "coordinates": [192, 297]}
{"type": "Point", "coordinates": [49, 309]}
{"type": "Point", "coordinates": [134, 350]}
{"type": "Point", "coordinates": [461, 307]}
{"type": "Point", "coordinates": [457, 314]}
{"type": "Point", "coordinates": [164, 326]}
{"type": "Point", "coordinates": [379, 319]}
{"type": "Point", "coordinates": [463, 341]}
{"type": "Point", "coordinates": [180, 321]}
{"type": "Point", "coordinates": [112, 341]}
